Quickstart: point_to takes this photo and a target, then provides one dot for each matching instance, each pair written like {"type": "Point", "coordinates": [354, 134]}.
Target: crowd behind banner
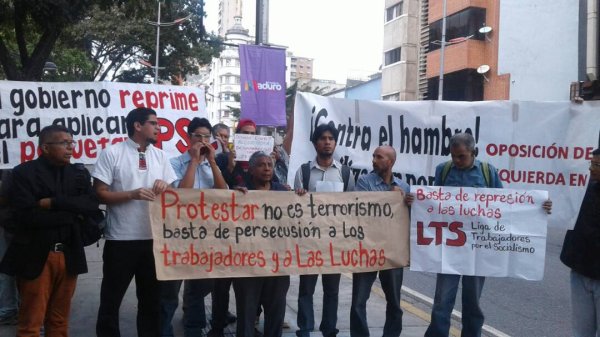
{"type": "Point", "coordinates": [154, 154]}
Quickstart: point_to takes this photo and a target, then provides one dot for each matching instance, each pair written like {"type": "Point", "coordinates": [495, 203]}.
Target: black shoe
{"type": "Point", "coordinates": [215, 333]}
{"type": "Point", "coordinates": [230, 318]}
{"type": "Point", "coordinates": [257, 333]}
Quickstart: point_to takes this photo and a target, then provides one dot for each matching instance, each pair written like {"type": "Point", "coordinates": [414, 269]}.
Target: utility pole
{"type": "Point", "coordinates": [442, 49]}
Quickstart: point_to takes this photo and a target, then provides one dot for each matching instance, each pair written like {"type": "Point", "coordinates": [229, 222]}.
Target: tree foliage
{"type": "Point", "coordinates": [102, 39]}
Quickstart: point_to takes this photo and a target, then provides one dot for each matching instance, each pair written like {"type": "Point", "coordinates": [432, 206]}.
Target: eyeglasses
{"type": "Point", "coordinates": [64, 143]}
{"type": "Point", "coordinates": [594, 165]}
{"type": "Point", "coordinates": [201, 136]}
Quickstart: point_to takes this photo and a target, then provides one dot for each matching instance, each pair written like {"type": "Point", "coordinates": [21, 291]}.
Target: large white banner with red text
{"type": "Point", "coordinates": [534, 145]}
{"type": "Point", "coordinates": [478, 231]}
{"type": "Point", "coordinates": [94, 111]}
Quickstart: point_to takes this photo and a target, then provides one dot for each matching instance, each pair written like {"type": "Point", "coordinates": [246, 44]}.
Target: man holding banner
{"type": "Point", "coordinates": [381, 179]}
{"type": "Point", "coordinates": [462, 171]}
{"type": "Point", "coordinates": [127, 175]}
{"type": "Point", "coordinates": [324, 174]}
{"type": "Point", "coordinates": [267, 291]}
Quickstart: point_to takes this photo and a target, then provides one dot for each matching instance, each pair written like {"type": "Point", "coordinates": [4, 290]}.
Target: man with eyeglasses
{"type": "Point", "coordinates": [581, 253]}
{"type": "Point", "coordinates": [49, 196]}
{"type": "Point", "coordinates": [195, 169]}
{"type": "Point", "coordinates": [127, 176]}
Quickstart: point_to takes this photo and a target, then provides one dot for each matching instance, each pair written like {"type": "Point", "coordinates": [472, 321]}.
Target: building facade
{"type": "Point", "coordinates": [493, 49]}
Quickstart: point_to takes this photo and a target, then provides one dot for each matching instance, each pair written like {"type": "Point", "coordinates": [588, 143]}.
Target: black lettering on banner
{"type": "Point", "coordinates": [55, 99]}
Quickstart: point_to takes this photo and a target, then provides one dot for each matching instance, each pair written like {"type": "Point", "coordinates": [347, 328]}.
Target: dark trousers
{"type": "Point", "coordinates": [306, 316]}
{"type": "Point", "coordinates": [252, 292]}
{"type": "Point", "coordinates": [391, 283]}
{"type": "Point", "coordinates": [220, 303]}
{"type": "Point", "coordinates": [124, 260]}
{"type": "Point", "coordinates": [194, 313]}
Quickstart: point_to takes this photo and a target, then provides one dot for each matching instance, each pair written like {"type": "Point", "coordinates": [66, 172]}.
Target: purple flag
{"type": "Point", "coordinates": [262, 82]}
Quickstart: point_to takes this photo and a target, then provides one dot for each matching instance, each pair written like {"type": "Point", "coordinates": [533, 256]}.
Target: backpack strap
{"type": "Point", "coordinates": [345, 176]}
{"type": "Point", "coordinates": [305, 169]}
{"type": "Point", "coordinates": [485, 169]}
{"type": "Point", "coordinates": [445, 171]}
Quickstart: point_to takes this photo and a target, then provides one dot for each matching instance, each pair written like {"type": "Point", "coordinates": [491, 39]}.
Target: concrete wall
{"type": "Point", "coordinates": [538, 47]}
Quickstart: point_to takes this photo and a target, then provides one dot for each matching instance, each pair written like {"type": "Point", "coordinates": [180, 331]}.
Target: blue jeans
{"type": "Point", "coordinates": [443, 303]}
{"type": "Point", "coordinates": [306, 315]}
{"type": "Point", "coordinates": [585, 301]}
{"type": "Point", "coordinates": [9, 302]}
{"type": "Point", "coordinates": [194, 314]}
{"type": "Point", "coordinates": [391, 283]}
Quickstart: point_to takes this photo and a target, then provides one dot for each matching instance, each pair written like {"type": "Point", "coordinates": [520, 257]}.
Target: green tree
{"type": "Point", "coordinates": [29, 30]}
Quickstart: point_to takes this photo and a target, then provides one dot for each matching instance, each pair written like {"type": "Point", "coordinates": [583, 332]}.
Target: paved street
{"type": "Point", "coordinates": [513, 307]}
{"type": "Point", "coordinates": [86, 301]}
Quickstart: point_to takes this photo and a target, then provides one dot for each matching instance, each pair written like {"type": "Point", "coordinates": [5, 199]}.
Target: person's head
{"type": "Point", "coordinates": [56, 143]}
{"type": "Point", "coordinates": [221, 131]}
{"type": "Point", "coordinates": [324, 140]}
{"type": "Point", "coordinates": [142, 124]}
{"type": "Point", "coordinates": [384, 158]}
{"type": "Point", "coordinates": [199, 130]}
{"type": "Point", "coordinates": [246, 126]}
{"type": "Point", "coordinates": [462, 150]}
{"type": "Point", "coordinates": [595, 165]}
{"type": "Point", "coordinates": [260, 167]}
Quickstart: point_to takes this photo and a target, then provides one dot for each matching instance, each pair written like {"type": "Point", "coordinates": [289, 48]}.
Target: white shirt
{"type": "Point", "coordinates": [332, 173]}
{"type": "Point", "coordinates": [118, 167]}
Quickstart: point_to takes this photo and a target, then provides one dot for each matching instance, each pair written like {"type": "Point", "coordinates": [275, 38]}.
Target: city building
{"type": "Point", "coordinates": [222, 84]}
{"type": "Point", "coordinates": [402, 49]}
{"type": "Point", "coordinates": [493, 49]}
{"type": "Point", "coordinates": [300, 69]}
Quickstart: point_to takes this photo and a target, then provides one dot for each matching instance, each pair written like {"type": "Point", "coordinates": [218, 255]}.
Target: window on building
{"type": "Point", "coordinates": [293, 66]}
{"type": "Point", "coordinates": [393, 12]}
{"type": "Point", "coordinates": [462, 24]}
{"type": "Point", "coordinates": [391, 97]}
{"type": "Point", "coordinates": [462, 85]}
{"type": "Point", "coordinates": [392, 56]}
{"type": "Point", "coordinates": [226, 96]}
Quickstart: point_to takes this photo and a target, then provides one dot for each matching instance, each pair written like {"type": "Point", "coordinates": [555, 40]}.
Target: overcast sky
{"type": "Point", "coordinates": [344, 37]}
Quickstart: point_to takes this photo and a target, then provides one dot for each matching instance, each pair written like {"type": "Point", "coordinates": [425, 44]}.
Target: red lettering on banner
{"type": "Point", "coordinates": [225, 211]}
{"type": "Point", "coordinates": [454, 227]}
{"type": "Point", "coordinates": [157, 99]}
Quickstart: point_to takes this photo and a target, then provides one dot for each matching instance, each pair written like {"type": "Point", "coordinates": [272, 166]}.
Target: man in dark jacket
{"type": "Point", "coordinates": [581, 253]}
{"type": "Point", "coordinates": [50, 197]}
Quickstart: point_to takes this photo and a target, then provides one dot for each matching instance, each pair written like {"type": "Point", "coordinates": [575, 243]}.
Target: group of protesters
{"type": "Point", "coordinates": [50, 198]}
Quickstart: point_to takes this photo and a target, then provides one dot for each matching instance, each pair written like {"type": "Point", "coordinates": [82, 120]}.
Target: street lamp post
{"type": "Point", "coordinates": [159, 24]}
{"type": "Point", "coordinates": [442, 49]}
{"type": "Point", "coordinates": [158, 40]}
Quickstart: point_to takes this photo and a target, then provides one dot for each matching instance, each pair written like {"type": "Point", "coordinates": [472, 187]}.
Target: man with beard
{"type": "Point", "coordinates": [380, 179]}
{"type": "Point", "coordinates": [324, 174]}
{"type": "Point", "coordinates": [126, 177]}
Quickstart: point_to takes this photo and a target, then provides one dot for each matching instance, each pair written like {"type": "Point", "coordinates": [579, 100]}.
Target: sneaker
{"type": "Point", "coordinates": [9, 320]}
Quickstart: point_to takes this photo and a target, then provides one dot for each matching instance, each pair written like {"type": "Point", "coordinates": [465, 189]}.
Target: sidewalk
{"type": "Point", "coordinates": [86, 301]}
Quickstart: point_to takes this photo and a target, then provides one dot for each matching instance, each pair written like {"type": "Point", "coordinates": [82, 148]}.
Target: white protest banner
{"type": "Point", "coordinates": [246, 145]}
{"type": "Point", "coordinates": [478, 231]}
{"type": "Point", "coordinates": [534, 145]}
{"type": "Point", "coordinates": [221, 233]}
{"type": "Point", "coordinates": [94, 111]}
